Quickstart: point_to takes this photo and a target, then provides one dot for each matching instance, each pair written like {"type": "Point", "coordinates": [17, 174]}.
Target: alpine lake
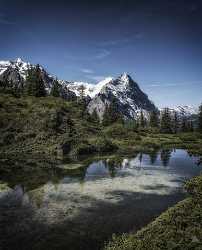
{"type": "Point", "coordinates": [81, 205]}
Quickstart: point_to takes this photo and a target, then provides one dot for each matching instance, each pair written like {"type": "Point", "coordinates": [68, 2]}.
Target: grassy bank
{"type": "Point", "coordinates": [52, 128]}
{"type": "Point", "coordinates": [180, 227]}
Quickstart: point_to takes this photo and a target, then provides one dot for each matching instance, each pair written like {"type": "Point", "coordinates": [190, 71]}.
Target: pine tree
{"type": "Point", "coordinates": [30, 81]}
{"type": "Point", "coordinates": [40, 87]}
{"type": "Point", "coordinates": [200, 119]}
{"type": "Point", "coordinates": [191, 126]}
{"type": "Point", "coordinates": [142, 120]}
{"type": "Point", "coordinates": [111, 114]}
{"type": "Point", "coordinates": [184, 124]}
{"type": "Point", "coordinates": [55, 90]}
{"type": "Point", "coordinates": [166, 124]}
{"type": "Point", "coordinates": [94, 117]}
{"type": "Point", "coordinates": [81, 90]}
{"type": "Point", "coordinates": [34, 82]}
{"type": "Point", "coordinates": [154, 119]}
{"type": "Point", "coordinates": [175, 123]}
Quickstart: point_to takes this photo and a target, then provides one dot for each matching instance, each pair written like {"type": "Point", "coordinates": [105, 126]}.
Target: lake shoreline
{"type": "Point", "coordinates": [180, 226]}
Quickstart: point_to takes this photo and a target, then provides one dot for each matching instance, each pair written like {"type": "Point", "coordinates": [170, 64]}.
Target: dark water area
{"type": "Point", "coordinates": [80, 207]}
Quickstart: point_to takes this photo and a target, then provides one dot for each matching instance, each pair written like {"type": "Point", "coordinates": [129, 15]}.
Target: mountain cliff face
{"type": "Point", "coordinates": [130, 99]}
{"type": "Point", "coordinates": [15, 72]}
{"type": "Point", "coordinates": [126, 93]}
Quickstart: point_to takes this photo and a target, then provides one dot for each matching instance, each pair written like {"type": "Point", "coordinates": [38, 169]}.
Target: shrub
{"type": "Point", "coordinates": [104, 145]}
{"type": "Point", "coordinates": [116, 130]}
{"type": "Point", "coordinates": [82, 149]}
{"type": "Point", "coordinates": [188, 137]}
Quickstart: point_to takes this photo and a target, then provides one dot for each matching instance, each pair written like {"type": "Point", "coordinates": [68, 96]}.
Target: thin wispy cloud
{"type": "Point", "coordinates": [174, 84]}
{"type": "Point", "coordinates": [87, 71]}
{"type": "Point", "coordinates": [95, 55]}
{"type": "Point", "coordinates": [102, 54]}
{"type": "Point", "coordinates": [163, 85]}
{"type": "Point", "coordinates": [123, 41]}
{"type": "Point", "coordinates": [113, 42]}
{"type": "Point", "coordinates": [96, 78]}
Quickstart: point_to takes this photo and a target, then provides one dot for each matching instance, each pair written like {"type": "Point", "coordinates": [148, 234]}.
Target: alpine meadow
{"type": "Point", "coordinates": [100, 125]}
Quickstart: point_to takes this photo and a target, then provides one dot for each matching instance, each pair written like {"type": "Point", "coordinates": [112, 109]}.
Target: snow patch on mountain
{"type": "Point", "coordinates": [17, 64]}
{"type": "Point", "coordinates": [184, 110]}
{"type": "Point", "coordinates": [89, 89]}
{"type": "Point", "coordinates": [130, 99]}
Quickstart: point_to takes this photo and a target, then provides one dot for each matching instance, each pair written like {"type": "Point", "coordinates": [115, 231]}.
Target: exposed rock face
{"type": "Point", "coordinates": [185, 110]}
{"type": "Point", "coordinates": [14, 72]}
{"type": "Point", "coordinates": [128, 96]}
{"type": "Point", "coordinates": [130, 99]}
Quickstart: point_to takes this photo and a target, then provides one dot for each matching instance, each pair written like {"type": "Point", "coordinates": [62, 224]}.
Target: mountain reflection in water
{"type": "Point", "coordinates": [80, 209]}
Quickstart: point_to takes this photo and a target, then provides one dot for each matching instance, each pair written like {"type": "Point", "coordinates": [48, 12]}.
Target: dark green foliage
{"type": "Point", "coordinates": [55, 90]}
{"type": "Point", "coordinates": [154, 119]}
{"type": "Point", "coordinates": [131, 125]}
{"type": "Point", "coordinates": [175, 123]}
{"type": "Point", "coordinates": [166, 121]}
{"type": "Point", "coordinates": [94, 117]}
{"type": "Point", "coordinates": [191, 126]}
{"type": "Point", "coordinates": [8, 87]}
{"type": "Point", "coordinates": [200, 119]}
{"type": "Point", "coordinates": [34, 82]}
{"type": "Point", "coordinates": [82, 102]}
{"type": "Point", "coordinates": [142, 120]}
{"type": "Point", "coordinates": [104, 145]}
{"type": "Point", "coordinates": [83, 148]}
{"type": "Point", "coordinates": [184, 125]}
{"type": "Point", "coordinates": [111, 114]}
{"type": "Point", "coordinates": [81, 92]}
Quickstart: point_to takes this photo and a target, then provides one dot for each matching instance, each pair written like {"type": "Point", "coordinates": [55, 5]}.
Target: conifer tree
{"type": "Point", "coordinates": [175, 123]}
{"type": "Point", "coordinates": [95, 117]}
{"type": "Point", "coordinates": [142, 120]}
{"type": "Point", "coordinates": [111, 114]}
{"type": "Point", "coordinates": [55, 90]}
{"type": "Point", "coordinates": [34, 82]}
{"type": "Point", "coordinates": [166, 124]}
{"type": "Point", "coordinates": [81, 90]}
{"type": "Point", "coordinates": [30, 87]}
{"type": "Point", "coordinates": [40, 87]}
{"type": "Point", "coordinates": [184, 124]}
{"type": "Point", "coordinates": [191, 126]}
{"type": "Point", "coordinates": [200, 119]}
{"type": "Point", "coordinates": [154, 119]}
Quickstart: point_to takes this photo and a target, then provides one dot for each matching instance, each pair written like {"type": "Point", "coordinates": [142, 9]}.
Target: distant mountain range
{"type": "Point", "coordinates": [130, 99]}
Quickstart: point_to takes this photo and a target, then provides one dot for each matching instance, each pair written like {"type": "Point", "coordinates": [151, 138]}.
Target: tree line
{"type": "Point", "coordinates": [165, 121]}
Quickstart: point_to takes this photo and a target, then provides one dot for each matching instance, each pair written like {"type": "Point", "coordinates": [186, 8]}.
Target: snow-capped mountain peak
{"type": "Point", "coordinates": [125, 78]}
{"type": "Point", "coordinates": [186, 110]}
{"type": "Point", "coordinates": [19, 60]}
{"type": "Point", "coordinates": [131, 100]}
{"type": "Point", "coordinates": [89, 89]}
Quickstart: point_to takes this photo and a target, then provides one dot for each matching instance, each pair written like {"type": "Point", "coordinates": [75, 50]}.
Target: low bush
{"type": "Point", "coordinates": [189, 137]}
{"type": "Point", "coordinates": [103, 145]}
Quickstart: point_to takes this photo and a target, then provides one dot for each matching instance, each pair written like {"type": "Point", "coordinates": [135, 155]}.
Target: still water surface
{"type": "Point", "coordinates": [82, 208]}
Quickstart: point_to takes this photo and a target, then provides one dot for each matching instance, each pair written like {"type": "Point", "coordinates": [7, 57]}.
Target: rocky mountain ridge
{"type": "Point", "coordinates": [130, 99]}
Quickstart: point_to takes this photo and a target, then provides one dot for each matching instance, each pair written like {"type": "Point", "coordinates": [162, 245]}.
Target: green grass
{"type": "Point", "coordinates": [30, 125]}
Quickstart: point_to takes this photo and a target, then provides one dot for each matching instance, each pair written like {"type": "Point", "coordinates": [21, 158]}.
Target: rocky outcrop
{"type": "Point", "coordinates": [129, 98]}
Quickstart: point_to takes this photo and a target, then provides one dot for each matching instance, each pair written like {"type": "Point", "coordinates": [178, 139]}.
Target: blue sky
{"type": "Point", "coordinates": [159, 43]}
